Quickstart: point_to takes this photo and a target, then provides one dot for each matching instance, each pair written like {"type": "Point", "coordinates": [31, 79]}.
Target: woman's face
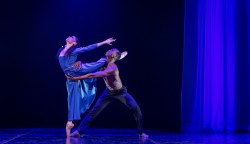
{"type": "Point", "coordinates": [71, 40]}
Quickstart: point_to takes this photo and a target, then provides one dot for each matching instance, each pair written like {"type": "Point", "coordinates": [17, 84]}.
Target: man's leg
{"type": "Point", "coordinates": [101, 103]}
{"type": "Point", "coordinates": [129, 101]}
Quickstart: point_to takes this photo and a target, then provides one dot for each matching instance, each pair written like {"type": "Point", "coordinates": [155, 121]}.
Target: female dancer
{"type": "Point", "coordinates": [81, 93]}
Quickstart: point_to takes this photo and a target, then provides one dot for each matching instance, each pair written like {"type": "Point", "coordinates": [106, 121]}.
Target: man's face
{"type": "Point", "coordinates": [110, 53]}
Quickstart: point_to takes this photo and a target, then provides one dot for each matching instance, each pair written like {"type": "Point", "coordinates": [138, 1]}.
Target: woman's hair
{"type": "Point", "coordinates": [70, 50]}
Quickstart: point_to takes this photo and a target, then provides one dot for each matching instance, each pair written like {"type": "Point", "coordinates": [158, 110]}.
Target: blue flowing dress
{"type": "Point", "coordinates": [81, 93]}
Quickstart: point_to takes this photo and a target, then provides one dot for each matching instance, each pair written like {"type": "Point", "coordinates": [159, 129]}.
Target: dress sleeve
{"type": "Point", "coordinates": [84, 49]}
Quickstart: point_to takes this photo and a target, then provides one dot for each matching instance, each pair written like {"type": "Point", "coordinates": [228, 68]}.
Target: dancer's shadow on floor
{"type": "Point", "coordinates": [147, 141]}
{"type": "Point", "coordinates": [86, 140]}
{"type": "Point", "coordinates": [82, 140]}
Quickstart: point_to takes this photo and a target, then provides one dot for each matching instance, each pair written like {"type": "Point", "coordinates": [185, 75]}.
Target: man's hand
{"type": "Point", "coordinates": [77, 65]}
{"type": "Point", "coordinates": [70, 77]}
{"type": "Point", "coordinates": [123, 54]}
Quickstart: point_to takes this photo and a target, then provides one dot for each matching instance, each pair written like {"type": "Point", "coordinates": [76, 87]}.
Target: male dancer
{"type": "Point", "coordinates": [114, 90]}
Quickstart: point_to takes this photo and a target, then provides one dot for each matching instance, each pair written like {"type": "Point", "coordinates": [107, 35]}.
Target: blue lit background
{"type": "Point", "coordinates": [215, 88]}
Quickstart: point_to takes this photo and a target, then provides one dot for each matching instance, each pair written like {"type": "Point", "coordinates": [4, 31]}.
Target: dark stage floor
{"type": "Point", "coordinates": [116, 136]}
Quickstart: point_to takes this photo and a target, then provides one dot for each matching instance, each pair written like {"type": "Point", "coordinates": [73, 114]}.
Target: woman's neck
{"type": "Point", "coordinates": [67, 46]}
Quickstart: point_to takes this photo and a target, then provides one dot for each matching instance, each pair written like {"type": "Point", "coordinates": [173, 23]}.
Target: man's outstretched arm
{"type": "Point", "coordinates": [108, 71]}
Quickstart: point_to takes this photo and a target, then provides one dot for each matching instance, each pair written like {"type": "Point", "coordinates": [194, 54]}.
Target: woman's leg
{"type": "Point", "coordinates": [69, 126]}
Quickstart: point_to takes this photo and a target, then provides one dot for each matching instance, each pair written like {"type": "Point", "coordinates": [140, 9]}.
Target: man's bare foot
{"type": "Point", "coordinates": [69, 126]}
{"type": "Point", "coordinates": [143, 136]}
{"type": "Point", "coordinates": [75, 134]}
{"type": "Point", "coordinates": [123, 55]}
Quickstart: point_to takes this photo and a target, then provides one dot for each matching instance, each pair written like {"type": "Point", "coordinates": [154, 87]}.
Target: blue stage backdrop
{"type": "Point", "coordinates": [215, 88]}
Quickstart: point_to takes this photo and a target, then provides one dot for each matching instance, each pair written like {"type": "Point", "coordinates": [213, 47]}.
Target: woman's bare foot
{"type": "Point", "coordinates": [123, 55]}
{"type": "Point", "coordinates": [69, 126]}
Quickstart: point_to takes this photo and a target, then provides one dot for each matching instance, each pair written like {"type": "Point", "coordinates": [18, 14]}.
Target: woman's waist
{"type": "Point", "coordinates": [68, 68]}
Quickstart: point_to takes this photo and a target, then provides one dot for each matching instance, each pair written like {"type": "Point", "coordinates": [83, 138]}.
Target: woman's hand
{"type": "Point", "coordinates": [109, 41]}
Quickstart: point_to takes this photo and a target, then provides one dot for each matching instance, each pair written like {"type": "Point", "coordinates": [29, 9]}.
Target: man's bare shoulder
{"type": "Point", "coordinates": [113, 66]}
